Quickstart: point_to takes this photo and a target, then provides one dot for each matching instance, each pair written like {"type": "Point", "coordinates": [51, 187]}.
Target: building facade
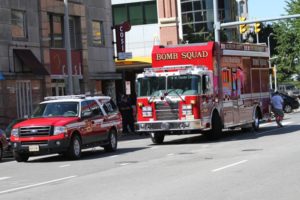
{"type": "Point", "coordinates": [33, 52]}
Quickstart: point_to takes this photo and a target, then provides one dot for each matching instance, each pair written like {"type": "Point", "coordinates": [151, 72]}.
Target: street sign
{"type": "Point", "coordinates": [124, 55]}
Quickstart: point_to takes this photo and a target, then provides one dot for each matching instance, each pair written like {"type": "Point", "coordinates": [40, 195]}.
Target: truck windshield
{"type": "Point", "coordinates": [184, 85]}
{"type": "Point", "coordinates": [63, 109]}
{"type": "Point", "coordinates": [151, 86]}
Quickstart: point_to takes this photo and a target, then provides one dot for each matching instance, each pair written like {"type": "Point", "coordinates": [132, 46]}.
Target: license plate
{"type": "Point", "coordinates": [34, 148]}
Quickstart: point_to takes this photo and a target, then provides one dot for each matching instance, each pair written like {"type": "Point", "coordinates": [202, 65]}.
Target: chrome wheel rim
{"type": "Point", "coordinates": [113, 140]}
{"type": "Point", "coordinates": [76, 147]}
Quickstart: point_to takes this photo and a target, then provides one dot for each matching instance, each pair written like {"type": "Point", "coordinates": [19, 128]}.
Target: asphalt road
{"type": "Point", "coordinates": [254, 165]}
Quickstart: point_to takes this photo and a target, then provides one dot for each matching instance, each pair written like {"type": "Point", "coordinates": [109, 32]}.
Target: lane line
{"type": "Point", "coordinates": [4, 178]}
{"type": "Point", "coordinates": [36, 185]}
{"type": "Point", "coordinates": [113, 156]}
{"type": "Point", "coordinates": [64, 166]}
{"type": "Point", "coordinates": [170, 154]}
{"type": "Point", "coordinates": [227, 166]}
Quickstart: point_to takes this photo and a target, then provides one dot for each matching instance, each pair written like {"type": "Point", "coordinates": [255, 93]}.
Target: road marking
{"type": "Point", "coordinates": [4, 178]}
{"type": "Point", "coordinates": [227, 166]}
{"type": "Point", "coordinates": [123, 164]}
{"type": "Point", "coordinates": [170, 154]}
{"type": "Point", "coordinates": [64, 166]}
{"type": "Point", "coordinates": [36, 185]}
{"type": "Point", "coordinates": [113, 156]}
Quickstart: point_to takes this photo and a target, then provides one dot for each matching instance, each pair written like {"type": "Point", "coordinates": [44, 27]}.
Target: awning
{"type": "Point", "coordinates": [29, 60]}
{"type": "Point", "coordinates": [106, 76]}
{"type": "Point", "coordinates": [135, 62]}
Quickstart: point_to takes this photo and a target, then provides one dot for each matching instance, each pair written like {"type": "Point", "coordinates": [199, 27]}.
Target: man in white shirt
{"type": "Point", "coordinates": [277, 108]}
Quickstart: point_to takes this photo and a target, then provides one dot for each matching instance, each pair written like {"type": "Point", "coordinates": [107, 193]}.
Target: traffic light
{"type": "Point", "coordinates": [243, 27]}
{"type": "Point", "coordinates": [257, 27]}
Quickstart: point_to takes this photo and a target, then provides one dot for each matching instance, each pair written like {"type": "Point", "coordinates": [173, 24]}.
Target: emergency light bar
{"type": "Point", "coordinates": [65, 97]}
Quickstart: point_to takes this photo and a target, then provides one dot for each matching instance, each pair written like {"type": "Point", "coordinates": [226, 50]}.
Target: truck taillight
{"type": "Point", "coordinates": [147, 111]}
{"type": "Point", "coordinates": [187, 109]}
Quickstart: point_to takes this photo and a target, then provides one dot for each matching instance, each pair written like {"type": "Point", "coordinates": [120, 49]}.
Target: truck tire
{"type": "Point", "coordinates": [255, 123]}
{"type": "Point", "coordinates": [112, 141]}
{"type": "Point", "coordinates": [20, 157]}
{"type": "Point", "coordinates": [157, 138]}
{"type": "Point", "coordinates": [74, 151]}
{"type": "Point", "coordinates": [216, 129]}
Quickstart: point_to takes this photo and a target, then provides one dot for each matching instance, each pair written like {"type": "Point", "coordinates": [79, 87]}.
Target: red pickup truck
{"type": "Point", "coordinates": [65, 125]}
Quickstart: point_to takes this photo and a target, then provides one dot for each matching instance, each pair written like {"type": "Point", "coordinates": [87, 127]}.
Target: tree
{"type": "Point", "coordinates": [287, 34]}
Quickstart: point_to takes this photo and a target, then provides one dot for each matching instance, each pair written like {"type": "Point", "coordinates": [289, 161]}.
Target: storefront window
{"type": "Point", "coordinates": [98, 37]}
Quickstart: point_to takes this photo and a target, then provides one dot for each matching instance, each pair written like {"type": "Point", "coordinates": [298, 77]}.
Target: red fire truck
{"type": "Point", "coordinates": [186, 91]}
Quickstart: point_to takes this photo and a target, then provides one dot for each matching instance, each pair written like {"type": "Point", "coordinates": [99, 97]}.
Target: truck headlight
{"type": "Point", "coordinates": [147, 111]}
{"type": "Point", "coordinates": [187, 109]}
{"type": "Point", "coordinates": [59, 130]}
{"type": "Point", "coordinates": [15, 132]}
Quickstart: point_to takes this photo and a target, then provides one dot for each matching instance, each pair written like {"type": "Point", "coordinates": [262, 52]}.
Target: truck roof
{"type": "Point", "coordinates": [73, 98]}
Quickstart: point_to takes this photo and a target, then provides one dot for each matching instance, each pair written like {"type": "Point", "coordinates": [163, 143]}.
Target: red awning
{"type": "Point", "coordinates": [190, 54]}
{"type": "Point", "coordinates": [29, 60]}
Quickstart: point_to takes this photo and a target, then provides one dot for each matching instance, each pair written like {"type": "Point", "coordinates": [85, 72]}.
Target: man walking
{"type": "Point", "coordinates": [277, 108]}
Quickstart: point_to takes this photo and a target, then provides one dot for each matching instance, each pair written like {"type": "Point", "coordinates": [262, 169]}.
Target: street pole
{"type": "Point", "coordinates": [270, 66]}
{"type": "Point", "coordinates": [217, 27]}
{"type": "Point", "coordinates": [275, 77]}
{"type": "Point", "coordinates": [68, 48]}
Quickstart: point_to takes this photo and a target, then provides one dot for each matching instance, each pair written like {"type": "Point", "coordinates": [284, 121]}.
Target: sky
{"type": "Point", "coordinates": [258, 9]}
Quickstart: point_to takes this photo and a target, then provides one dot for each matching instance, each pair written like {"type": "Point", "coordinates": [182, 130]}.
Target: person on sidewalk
{"type": "Point", "coordinates": [127, 114]}
{"type": "Point", "coordinates": [277, 108]}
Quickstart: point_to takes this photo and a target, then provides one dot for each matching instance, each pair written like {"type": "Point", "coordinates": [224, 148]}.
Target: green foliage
{"type": "Point", "coordinates": [287, 34]}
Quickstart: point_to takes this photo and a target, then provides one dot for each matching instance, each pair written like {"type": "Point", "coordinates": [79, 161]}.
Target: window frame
{"type": "Point", "coordinates": [24, 23]}
{"type": "Point", "coordinates": [101, 30]}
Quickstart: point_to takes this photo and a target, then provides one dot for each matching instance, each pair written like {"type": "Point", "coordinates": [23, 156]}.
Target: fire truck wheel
{"type": "Point", "coordinates": [255, 123]}
{"type": "Point", "coordinates": [74, 151]}
{"type": "Point", "coordinates": [112, 141]}
{"type": "Point", "coordinates": [216, 129]}
{"type": "Point", "coordinates": [20, 157]}
{"type": "Point", "coordinates": [157, 138]}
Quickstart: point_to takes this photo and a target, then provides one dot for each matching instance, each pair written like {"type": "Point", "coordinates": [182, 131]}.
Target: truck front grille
{"type": "Point", "coordinates": [166, 111]}
{"type": "Point", "coordinates": [35, 131]}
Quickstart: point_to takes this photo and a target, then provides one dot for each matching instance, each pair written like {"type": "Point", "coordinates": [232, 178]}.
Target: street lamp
{"type": "Point", "coordinates": [68, 48]}
{"type": "Point", "coordinates": [270, 67]}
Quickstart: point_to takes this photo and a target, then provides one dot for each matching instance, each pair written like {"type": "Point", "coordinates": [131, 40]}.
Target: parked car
{"type": "Point", "coordinates": [3, 143]}
{"type": "Point", "coordinates": [290, 103]}
{"type": "Point", "coordinates": [289, 89]}
{"type": "Point", "coordinates": [8, 151]}
{"type": "Point", "coordinates": [65, 125]}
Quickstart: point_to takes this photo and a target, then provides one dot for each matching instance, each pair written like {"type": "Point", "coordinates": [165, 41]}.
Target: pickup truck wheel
{"type": "Point", "coordinates": [74, 151]}
{"type": "Point", "coordinates": [157, 138]}
{"type": "Point", "coordinates": [112, 141]}
{"type": "Point", "coordinates": [20, 157]}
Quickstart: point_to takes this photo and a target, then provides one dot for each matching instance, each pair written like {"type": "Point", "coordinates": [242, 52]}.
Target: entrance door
{"type": "Point", "coordinates": [24, 98]}
{"type": "Point", "coordinates": [58, 88]}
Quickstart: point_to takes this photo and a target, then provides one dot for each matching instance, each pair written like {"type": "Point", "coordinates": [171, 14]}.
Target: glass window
{"type": "Point", "coordinates": [187, 17]}
{"type": "Point", "coordinates": [201, 27]}
{"type": "Point", "coordinates": [136, 14]}
{"type": "Point", "coordinates": [188, 6]}
{"type": "Point", "coordinates": [110, 107]}
{"type": "Point", "coordinates": [95, 108]}
{"type": "Point", "coordinates": [151, 86]}
{"type": "Point", "coordinates": [98, 36]}
{"type": "Point", "coordinates": [18, 23]}
{"type": "Point", "coordinates": [150, 12]}
{"type": "Point", "coordinates": [56, 31]}
{"type": "Point", "coordinates": [184, 84]}
{"type": "Point", "coordinates": [64, 109]}
{"type": "Point", "coordinates": [120, 14]}
{"type": "Point", "coordinates": [197, 5]}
